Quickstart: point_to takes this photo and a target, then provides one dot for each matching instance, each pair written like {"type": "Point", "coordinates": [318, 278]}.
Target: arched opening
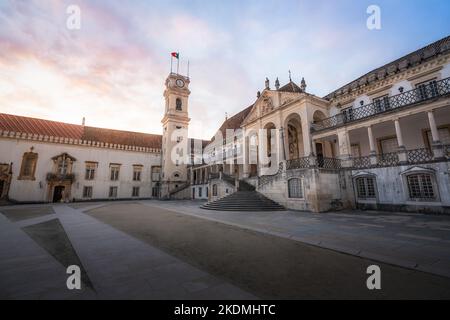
{"type": "Point", "coordinates": [294, 137]}
{"type": "Point", "coordinates": [253, 154]}
{"type": "Point", "coordinates": [179, 104]}
{"type": "Point", "coordinates": [318, 116]}
{"type": "Point", "coordinates": [269, 127]}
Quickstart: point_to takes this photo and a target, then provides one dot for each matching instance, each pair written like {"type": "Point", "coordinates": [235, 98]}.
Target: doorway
{"type": "Point", "coordinates": [2, 186]}
{"type": "Point", "coordinates": [58, 193]}
{"type": "Point", "coordinates": [319, 150]}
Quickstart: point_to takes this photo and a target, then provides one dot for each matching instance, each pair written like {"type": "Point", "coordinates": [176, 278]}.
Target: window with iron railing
{"type": "Point", "coordinates": [421, 187]}
{"type": "Point", "coordinates": [382, 103]}
{"type": "Point", "coordinates": [365, 187]}
{"type": "Point", "coordinates": [426, 90]}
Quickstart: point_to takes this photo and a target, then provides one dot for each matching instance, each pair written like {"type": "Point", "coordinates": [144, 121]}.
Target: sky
{"type": "Point", "coordinates": [112, 70]}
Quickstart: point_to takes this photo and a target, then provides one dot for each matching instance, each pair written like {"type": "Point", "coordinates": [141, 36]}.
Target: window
{"type": "Point", "coordinates": [421, 187]}
{"type": "Point", "coordinates": [179, 104]}
{"type": "Point", "coordinates": [90, 171]}
{"type": "Point", "coordinates": [155, 191]}
{"type": "Point", "coordinates": [200, 191]}
{"type": "Point", "coordinates": [156, 173]}
{"type": "Point", "coordinates": [137, 173]}
{"type": "Point", "coordinates": [381, 103]}
{"type": "Point", "coordinates": [295, 188]}
{"type": "Point", "coordinates": [87, 192]}
{"type": "Point", "coordinates": [115, 172]}
{"type": "Point", "coordinates": [135, 192]}
{"type": "Point", "coordinates": [28, 168]}
{"type": "Point", "coordinates": [365, 188]}
{"type": "Point", "coordinates": [444, 136]}
{"type": "Point", "coordinates": [62, 166]}
{"type": "Point", "coordinates": [388, 145]}
{"type": "Point", "coordinates": [214, 190]}
{"type": "Point", "coordinates": [207, 191]}
{"type": "Point", "coordinates": [356, 150]}
{"type": "Point", "coordinates": [426, 90]}
{"type": "Point", "coordinates": [113, 192]}
{"type": "Point", "coordinates": [348, 114]}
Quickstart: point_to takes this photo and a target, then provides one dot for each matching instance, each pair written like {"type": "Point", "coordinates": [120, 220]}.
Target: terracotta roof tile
{"type": "Point", "coordinates": [29, 125]}
{"type": "Point", "coordinates": [290, 87]}
{"type": "Point", "coordinates": [235, 121]}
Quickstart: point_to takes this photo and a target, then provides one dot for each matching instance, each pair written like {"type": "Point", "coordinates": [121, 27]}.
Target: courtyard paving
{"type": "Point", "coordinates": [174, 250]}
{"type": "Point", "coordinates": [416, 241]}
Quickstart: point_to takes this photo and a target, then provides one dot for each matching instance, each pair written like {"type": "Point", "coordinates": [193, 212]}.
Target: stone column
{"type": "Point", "coordinates": [402, 156]}
{"type": "Point", "coordinates": [436, 146]}
{"type": "Point", "coordinates": [344, 147]}
{"type": "Point", "coordinates": [373, 151]}
{"type": "Point", "coordinates": [398, 132]}
{"type": "Point", "coordinates": [245, 157]}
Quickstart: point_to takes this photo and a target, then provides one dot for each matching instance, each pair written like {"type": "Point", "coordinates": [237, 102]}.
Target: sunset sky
{"type": "Point", "coordinates": [112, 71]}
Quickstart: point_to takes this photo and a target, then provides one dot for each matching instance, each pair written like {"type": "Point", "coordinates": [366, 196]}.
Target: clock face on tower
{"type": "Point", "coordinates": [180, 83]}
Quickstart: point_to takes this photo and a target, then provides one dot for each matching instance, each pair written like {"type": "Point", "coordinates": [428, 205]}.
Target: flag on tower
{"type": "Point", "coordinates": [176, 55]}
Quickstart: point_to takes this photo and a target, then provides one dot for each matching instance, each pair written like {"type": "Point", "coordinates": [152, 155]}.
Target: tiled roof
{"type": "Point", "coordinates": [419, 56]}
{"type": "Point", "coordinates": [290, 87]}
{"type": "Point", "coordinates": [235, 121]}
{"type": "Point", "coordinates": [29, 125]}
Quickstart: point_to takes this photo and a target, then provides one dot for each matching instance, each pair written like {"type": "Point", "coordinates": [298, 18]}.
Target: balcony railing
{"type": "Point", "coordinates": [299, 163]}
{"type": "Point", "coordinates": [54, 177]}
{"type": "Point", "coordinates": [421, 94]}
{"type": "Point", "coordinates": [307, 162]}
{"type": "Point", "coordinates": [388, 159]}
{"type": "Point", "coordinates": [419, 156]}
{"type": "Point", "coordinates": [361, 162]}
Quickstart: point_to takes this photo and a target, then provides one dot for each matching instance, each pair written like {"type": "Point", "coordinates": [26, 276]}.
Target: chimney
{"type": "Point", "coordinates": [83, 122]}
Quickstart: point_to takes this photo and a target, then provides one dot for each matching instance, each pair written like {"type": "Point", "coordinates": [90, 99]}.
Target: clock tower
{"type": "Point", "coordinates": [174, 153]}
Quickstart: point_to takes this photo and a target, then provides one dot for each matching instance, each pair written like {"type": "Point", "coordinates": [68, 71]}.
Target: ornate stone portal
{"type": "Point", "coordinates": [5, 179]}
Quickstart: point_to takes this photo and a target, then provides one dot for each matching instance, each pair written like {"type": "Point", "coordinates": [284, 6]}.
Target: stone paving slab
{"type": "Point", "coordinates": [119, 266]}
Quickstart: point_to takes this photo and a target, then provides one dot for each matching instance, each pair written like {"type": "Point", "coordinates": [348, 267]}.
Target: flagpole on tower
{"type": "Point", "coordinates": [188, 70]}
{"type": "Point", "coordinates": [178, 63]}
{"type": "Point", "coordinates": [171, 63]}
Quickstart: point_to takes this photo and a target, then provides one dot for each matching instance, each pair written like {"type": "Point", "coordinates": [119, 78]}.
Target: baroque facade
{"type": "Point", "coordinates": [380, 142]}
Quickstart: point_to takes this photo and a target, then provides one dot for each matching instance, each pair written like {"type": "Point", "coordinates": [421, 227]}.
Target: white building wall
{"type": "Point", "coordinates": [12, 150]}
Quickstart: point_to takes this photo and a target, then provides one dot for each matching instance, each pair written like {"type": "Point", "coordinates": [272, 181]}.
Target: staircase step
{"type": "Point", "coordinates": [244, 200]}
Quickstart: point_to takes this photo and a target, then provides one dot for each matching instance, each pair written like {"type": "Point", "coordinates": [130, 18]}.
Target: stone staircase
{"type": "Point", "coordinates": [244, 200]}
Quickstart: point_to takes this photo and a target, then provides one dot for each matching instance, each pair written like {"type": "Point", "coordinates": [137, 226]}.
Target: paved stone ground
{"type": "Point", "coordinates": [416, 241]}
{"type": "Point", "coordinates": [268, 266]}
{"type": "Point", "coordinates": [162, 250]}
{"type": "Point", "coordinates": [118, 265]}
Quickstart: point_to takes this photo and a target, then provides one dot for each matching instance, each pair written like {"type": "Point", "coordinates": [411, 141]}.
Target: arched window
{"type": "Point", "coordinates": [295, 188]}
{"type": "Point", "coordinates": [365, 187]}
{"type": "Point", "coordinates": [28, 168]}
{"type": "Point", "coordinates": [421, 186]}
{"type": "Point", "coordinates": [214, 190]}
{"type": "Point", "coordinates": [179, 104]}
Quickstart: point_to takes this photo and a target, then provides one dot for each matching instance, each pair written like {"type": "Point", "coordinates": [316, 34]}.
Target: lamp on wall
{"type": "Point", "coordinates": [401, 89]}
{"type": "Point", "coordinates": [40, 184]}
{"type": "Point", "coordinates": [361, 103]}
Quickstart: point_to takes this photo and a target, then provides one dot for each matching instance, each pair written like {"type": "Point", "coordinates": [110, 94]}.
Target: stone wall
{"type": "Point", "coordinates": [393, 194]}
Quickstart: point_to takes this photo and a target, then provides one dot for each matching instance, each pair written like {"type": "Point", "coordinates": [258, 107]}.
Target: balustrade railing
{"type": "Point", "coordinates": [419, 155]}
{"type": "Point", "coordinates": [329, 163]}
{"type": "Point", "coordinates": [420, 94]}
{"type": "Point", "coordinates": [51, 176]}
{"type": "Point", "coordinates": [299, 163]}
{"type": "Point", "coordinates": [362, 162]}
{"type": "Point", "coordinates": [388, 159]}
